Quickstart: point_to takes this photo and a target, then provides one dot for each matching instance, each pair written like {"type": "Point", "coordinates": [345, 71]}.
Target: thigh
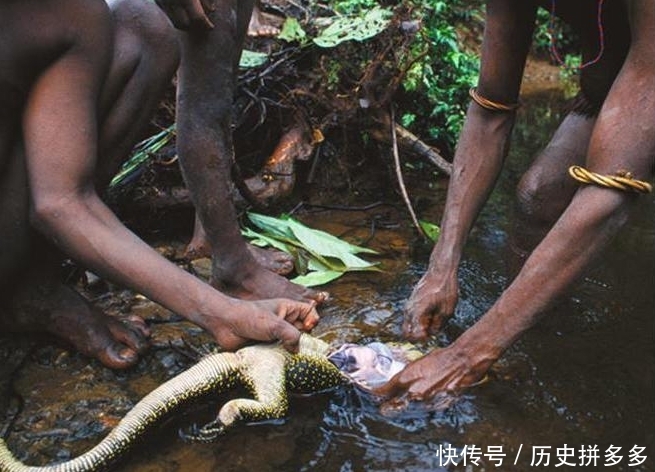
{"type": "Point", "coordinates": [143, 38]}
{"type": "Point", "coordinates": [604, 41]}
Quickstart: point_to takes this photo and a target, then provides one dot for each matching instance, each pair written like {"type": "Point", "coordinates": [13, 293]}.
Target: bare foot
{"type": "Point", "coordinates": [276, 261]}
{"type": "Point", "coordinates": [246, 280]}
{"type": "Point", "coordinates": [60, 310]}
{"type": "Point", "coordinates": [262, 24]}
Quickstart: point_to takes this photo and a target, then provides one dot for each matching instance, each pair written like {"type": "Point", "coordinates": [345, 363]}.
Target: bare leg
{"type": "Point", "coordinates": [623, 138]}
{"type": "Point", "coordinates": [276, 261]}
{"type": "Point", "coordinates": [546, 189]}
{"type": "Point", "coordinates": [206, 84]}
{"type": "Point", "coordinates": [41, 302]}
{"type": "Point", "coordinates": [146, 56]}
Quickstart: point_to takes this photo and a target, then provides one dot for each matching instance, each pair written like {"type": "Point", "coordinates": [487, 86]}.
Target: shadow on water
{"type": "Point", "coordinates": [583, 378]}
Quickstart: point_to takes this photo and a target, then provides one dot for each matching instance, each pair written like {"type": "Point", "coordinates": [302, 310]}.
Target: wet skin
{"type": "Point", "coordinates": [79, 80]}
{"type": "Point", "coordinates": [212, 39]}
{"type": "Point", "coordinates": [622, 136]}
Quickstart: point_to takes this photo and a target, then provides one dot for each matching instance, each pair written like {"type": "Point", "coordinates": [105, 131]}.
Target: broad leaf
{"type": "Point", "coordinates": [358, 28]}
{"type": "Point", "coordinates": [326, 245]}
{"type": "Point", "coordinates": [318, 256]}
{"type": "Point", "coordinates": [313, 279]}
{"type": "Point", "coordinates": [292, 31]}
{"type": "Point", "coordinates": [273, 226]}
{"type": "Point", "coordinates": [250, 59]}
{"type": "Point", "coordinates": [263, 240]}
{"type": "Point", "coordinates": [343, 245]}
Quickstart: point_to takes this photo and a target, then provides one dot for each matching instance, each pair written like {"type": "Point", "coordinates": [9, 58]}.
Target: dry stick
{"type": "Point", "coordinates": [414, 144]}
{"type": "Point", "coordinates": [411, 143]}
{"type": "Point", "coordinates": [399, 173]}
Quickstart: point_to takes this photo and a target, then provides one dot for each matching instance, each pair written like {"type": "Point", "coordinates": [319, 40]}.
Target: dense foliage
{"type": "Point", "coordinates": [436, 87]}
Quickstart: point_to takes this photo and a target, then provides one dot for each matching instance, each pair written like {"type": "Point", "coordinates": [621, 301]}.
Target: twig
{"type": "Point", "coordinates": [399, 173]}
{"type": "Point", "coordinates": [312, 171]}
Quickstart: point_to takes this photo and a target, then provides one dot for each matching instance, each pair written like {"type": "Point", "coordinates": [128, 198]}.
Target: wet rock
{"type": "Point", "coordinates": [202, 267]}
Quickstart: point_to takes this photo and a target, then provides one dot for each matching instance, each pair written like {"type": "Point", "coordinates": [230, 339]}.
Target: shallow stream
{"type": "Point", "coordinates": [584, 377]}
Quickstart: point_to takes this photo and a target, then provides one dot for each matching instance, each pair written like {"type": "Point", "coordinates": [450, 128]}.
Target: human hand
{"type": "Point", "coordinates": [188, 14]}
{"type": "Point", "coordinates": [446, 370]}
{"type": "Point", "coordinates": [432, 302]}
{"type": "Point", "coordinates": [265, 320]}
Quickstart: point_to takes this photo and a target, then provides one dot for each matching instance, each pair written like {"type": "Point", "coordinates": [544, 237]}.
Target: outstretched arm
{"type": "Point", "coordinates": [623, 139]}
{"type": "Point", "coordinates": [60, 134]}
{"type": "Point", "coordinates": [480, 153]}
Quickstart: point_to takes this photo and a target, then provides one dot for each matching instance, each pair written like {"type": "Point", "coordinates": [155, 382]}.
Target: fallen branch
{"type": "Point", "coordinates": [399, 174]}
{"type": "Point", "coordinates": [411, 143]}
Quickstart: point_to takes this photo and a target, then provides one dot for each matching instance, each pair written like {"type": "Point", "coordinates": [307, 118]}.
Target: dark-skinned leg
{"type": "Point", "coordinates": [276, 261]}
{"type": "Point", "coordinates": [205, 91]}
{"type": "Point", "coordinates": [546, 189]}
{"type": "Point", "coordinates": [35, 299]}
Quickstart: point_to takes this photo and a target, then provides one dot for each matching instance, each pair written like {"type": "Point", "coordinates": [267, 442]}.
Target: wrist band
{"type": "Point", "coordinates": [490, 104]}
{"type": "Point", "coordinates": [622, 180]}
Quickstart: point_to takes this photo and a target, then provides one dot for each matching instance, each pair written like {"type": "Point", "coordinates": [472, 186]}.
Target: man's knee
{"type": "Point", "coordinates": [146, 51]}
{"type": "Point", "coordinates": [145, 33]}
{"type": "Point", "coordinates": [530, 195]}
{"type": "Point", "coordinates": [543, 193]}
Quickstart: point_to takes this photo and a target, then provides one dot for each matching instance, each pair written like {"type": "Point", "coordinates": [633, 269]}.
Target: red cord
{"type": "Point", "coordinates": [601, 38]}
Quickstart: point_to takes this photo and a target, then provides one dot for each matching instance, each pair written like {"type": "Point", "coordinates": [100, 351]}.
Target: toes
{"type": "Point", "coordinates": [137, 323]}
{"type": "Point", "coordinates": [131, 332]}
{"type": "Point", "coordinates": [117, 356]}
{"type": "Point", "coordinates": [319, 297]}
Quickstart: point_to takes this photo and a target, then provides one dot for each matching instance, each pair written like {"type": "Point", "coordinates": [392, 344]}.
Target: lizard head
{"type": "Point", "coordinates": [371, 365]}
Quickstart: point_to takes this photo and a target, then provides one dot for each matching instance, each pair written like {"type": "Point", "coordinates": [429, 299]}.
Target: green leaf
{"type": "Point", "coordinates": [292, 31]}
{"type": "Point", "coordinates": [316, 265]}
{"type": "Point", "coordinates": [318, 256]}
{"type": "Point", "coordinates": [431, 230]}
{"type": "Point", "coordinates": [275, 227]}
{"type": "Point", "coordinates": [317, 278]}
{"type": "Point", "coordinates": [142, 152]}
{"type": "Point", "coordinates": [343, 245]}
{"type": "Point", "coordinates": [250, 59]}
{"type": "Point", "coordinates": [326, 245]}
{"type": "Point", "coordinates": [358, 28]}
{"type": "Point", "coordinates": [263, 240]}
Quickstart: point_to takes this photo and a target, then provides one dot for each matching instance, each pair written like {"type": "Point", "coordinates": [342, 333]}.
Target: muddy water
{"type": "Point", "coordinates": [583, 377]}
